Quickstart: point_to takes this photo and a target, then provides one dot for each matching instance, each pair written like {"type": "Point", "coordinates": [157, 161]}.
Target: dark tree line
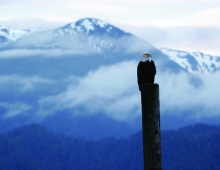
{"type": "Point", "coordinates": [33, 147]}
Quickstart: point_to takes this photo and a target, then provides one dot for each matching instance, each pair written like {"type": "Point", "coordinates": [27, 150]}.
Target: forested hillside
{"type": "Point", "coordinates": [34, 147]}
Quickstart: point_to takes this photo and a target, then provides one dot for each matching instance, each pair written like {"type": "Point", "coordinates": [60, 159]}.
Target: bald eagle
{"type": "Point", "coordinates": [146, 70]}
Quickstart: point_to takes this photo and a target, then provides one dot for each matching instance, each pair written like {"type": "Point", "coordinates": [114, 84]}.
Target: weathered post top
{"type": "Point", "coordinates": [146, 71]}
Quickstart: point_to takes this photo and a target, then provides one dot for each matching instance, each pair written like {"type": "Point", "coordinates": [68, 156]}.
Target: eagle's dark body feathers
{"type": "Point", "coordinates": [146, 72]}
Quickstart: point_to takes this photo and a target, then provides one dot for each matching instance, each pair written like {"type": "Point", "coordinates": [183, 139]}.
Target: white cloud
{"type": "Point", "coordinates": [159, 13]}
{"type": "Point", "coordinates": [34, 23]}
{"type": "Point", "coordinates": [113, 90]}
{"type": "Point", "coordinates": [202, 39]}
{"type": "Point", "coordinates": [100, 7]}
{"type": "Point", "coordinates": [13, 109]}
{"type": "Point", "coordinates": [207, 17]}
{"type": "Point", "coordinates": [33, 53]}
{"type": "Point", "coordinates": [178, 93]}
{"type": "Point", "coordinates": [162, 19]}
{"type": "Point", "coordinates": [23, 83]}
{"type": "Point", "coordinates": [102, 90]}
{"type": "Point", "coordinates": [204, 18]}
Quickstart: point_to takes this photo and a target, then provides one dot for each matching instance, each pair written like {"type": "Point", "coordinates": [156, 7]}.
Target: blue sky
{"type": "Point", "coordinates": [191, 25]}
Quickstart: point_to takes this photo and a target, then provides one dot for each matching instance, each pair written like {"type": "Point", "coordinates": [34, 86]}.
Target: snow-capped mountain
{"type": "Point", "coordinates": [9, 35]}
{"type": "Point", "coordinates": [85, 39]}
{"type": "Point", "coordinates": [96, 36]}
{"type": "Point", "coordinates": [86, 34]}
{"type": "Point", "coordinates": [41, 74]}
{"type": "Point", "coordinates": [91, 27]}
{"type": "Point", "coordinates": [194, 62]}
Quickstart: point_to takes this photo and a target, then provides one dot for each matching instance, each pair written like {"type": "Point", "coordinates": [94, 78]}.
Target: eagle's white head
{"type": "Point", "coordinates": [145, 56]}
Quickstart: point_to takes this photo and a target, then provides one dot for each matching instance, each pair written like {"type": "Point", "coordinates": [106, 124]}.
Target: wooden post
{"type": "Point", "coordinates": [151, 126]}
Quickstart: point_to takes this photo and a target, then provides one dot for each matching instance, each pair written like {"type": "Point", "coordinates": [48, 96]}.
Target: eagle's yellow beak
{"type": "Point", "coordinates": [149, 55]}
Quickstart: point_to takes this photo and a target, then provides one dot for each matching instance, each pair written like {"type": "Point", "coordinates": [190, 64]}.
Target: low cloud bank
{"type": "Point", "coordinates": [113, 90]}
{"type": "Point", "coordinates": [22, 83]}
{"type": "Point", "coordinates": [14, 109]}
{"type": "Point", "coordinates": [19, 53]}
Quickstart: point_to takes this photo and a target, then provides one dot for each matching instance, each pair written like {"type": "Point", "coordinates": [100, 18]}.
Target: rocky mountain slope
{"type": "Point", "coordinates": [194, 62]}
{"type": "Point", "coordinates": [8, 35]}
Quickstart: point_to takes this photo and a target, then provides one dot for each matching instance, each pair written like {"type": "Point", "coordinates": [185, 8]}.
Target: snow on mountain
{"type": "Point", "coordinates": [91, 26]}
{"type": "Point", "coordinates": [87, 34]}
{"type": "Point", "coordinates": [98, 34]}
{"type": "Point", "coordinates": [94, 35]}
{"type": "Point", "coordinates": [194, 62]}
{"type": "Point", "coordinates": [9, 35]}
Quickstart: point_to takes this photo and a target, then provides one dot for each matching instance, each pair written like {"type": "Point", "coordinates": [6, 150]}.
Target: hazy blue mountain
{"type": "Point", "coordinates": [86, 34]}
{"type": "Point", "coordinates": [78, 47]}
{"type": "Point", "coordinates": [93, 37]}
{"type": "Point", "coordinates": [40, 73]}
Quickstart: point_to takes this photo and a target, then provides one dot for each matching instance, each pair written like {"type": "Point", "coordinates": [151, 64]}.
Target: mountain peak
{"type": "Point", "coordinates": [91, 26]}
{"type": "Point", "coordinates": [87, 25]}
{"type": "Point", "coordinates": [91, 23]}
{"type": "Point", "coordinates": [95, 35]}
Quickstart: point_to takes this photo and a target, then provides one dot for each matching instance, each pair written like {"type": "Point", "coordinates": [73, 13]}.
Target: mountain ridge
{"type": "Point", "coordinates": [44, 74]}
{"type": "Point", "coordinates": [194, 62]}
{"type": "Point", "coordinates": [8, 34]}
{"type": "Point", "coordinates": [94, 35]}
